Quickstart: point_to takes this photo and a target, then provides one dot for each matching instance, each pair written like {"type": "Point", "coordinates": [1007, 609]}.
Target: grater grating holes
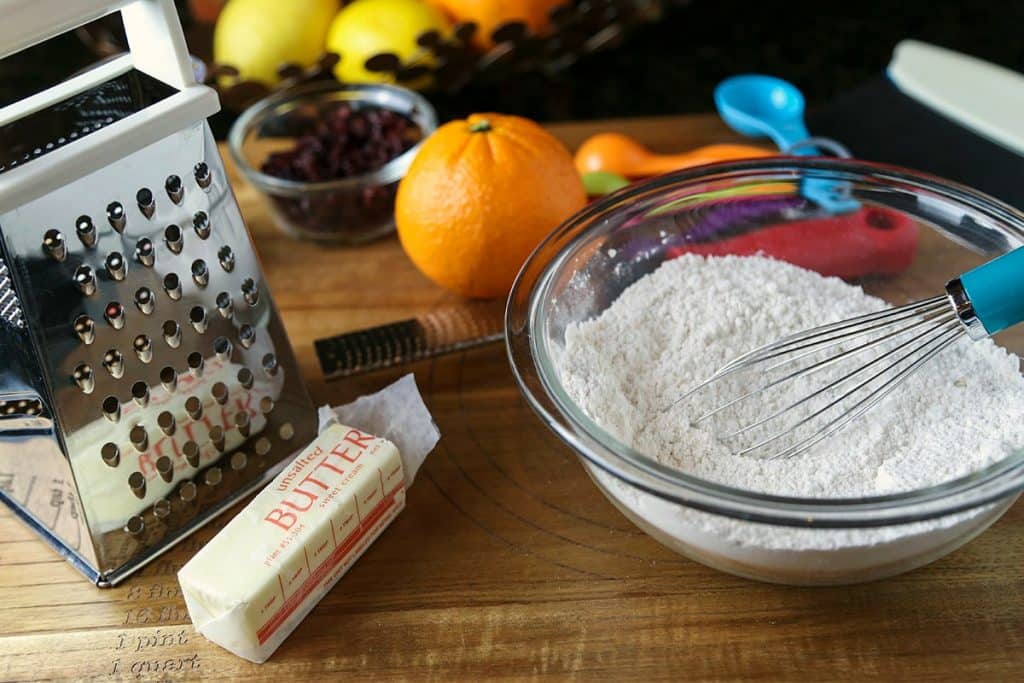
{"type": "Point", "coordinates": [225, 306]}
{"type": "Point", "coordinates": [111, 408]}
{"type": "Point", "coordinates": [222, 347]}
{"type": "Point", "coordinates": [169, 379]}
{"type": "Point", "coordinates": [219, 391]}
{"type": "Point", "coordinates": [197, 316]}
{"type": "Point", "coordinates": [191, 452]}
{"type": "Point", "coordinates": [135, 524]}
{"type": "Point", "coordinates": [194, 407]}
{"type": "Point", "coordinates": [196, 363]}
{"type": "Point", "coordinates": [246, 335]}
{"type": "Point", "coordinates": [114, 315]}
{"type": "Point", "coordinates": [85, 329]}
{"type": "Point", "coordinates": [286, 431]}
{"type": "Point", "coordinates": [146, 202]}
{"type": "Point", "coordinates": [116, 266]}
{"type": "Point", "coordinates": [140, 392]}
{"type": "Point", "coordinates": [143, 346]}
{"type": "Point", "coordinates": [139, 438]}
{"type": "Point", "coordinates": [54, 245]}
{"type": "Point", "coordinates": [116, 216]}
{"type": "Point", "coordinates": [201, 224]}
{"type": "Point", "coordinates": [262, 446]}
{"type": "Point", "coordinates": [166, 422]}
{"type": "Point", "coordinates": [243, 424]}
{"type": "Point", "coordinates": [201, 172]}
{"type": "Point", "coordinates": [83, 377]}
{"type": "Point", "coordinates": [172, 286]}
{"type": "Point", "coordinates": [21, 407]}
{"type": "Point", "coordinates": [239, 461]}
{"type": "Point", "coordinates": [110, 454]}
{"type": "Point", "coordinates": [200, 273]}
{"type": "Point", "coordinates": [172, 333]}
{"type": "Point", "coordinates": [113, 361]}
{"type": "Point", "coordinates": [217, 438]}
{"type": "Point", "coordinates": [165, 468]}
{"type": "Point", "coordinates": [140, 381]}
{"type": "Point", "coordinates": [137, 483]}
{"type": "Point", "coordinates": [250, 292]}
{"type": "Point", "coordinates": [145, 252]}
{"type": "Point", "coordinates": [144, 300]}
{"type": "Point", "coordinates": [226, 258]}
{"type": "Point", "coordinates": [162, 509]}
{"type": "Point", "coordinates": [85, 280]}
{"type": "Point", "coordinates": [188, 491]}
{"type": "Point", "coordinates": [175, 188]}
{"type": "Point", "coordinates": [213, 476]}
{"type": "Point", "coordinates": [174, 239]}
{"type": "Point", "coordinates": [86, 232]}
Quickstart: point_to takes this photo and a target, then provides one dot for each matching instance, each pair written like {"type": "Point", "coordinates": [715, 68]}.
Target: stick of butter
{"type": "Point", "coordinates": [251, 585]}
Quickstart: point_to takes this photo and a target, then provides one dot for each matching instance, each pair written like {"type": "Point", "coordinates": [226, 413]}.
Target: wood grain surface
{"type": "Point", "coordinates": [508, 562]}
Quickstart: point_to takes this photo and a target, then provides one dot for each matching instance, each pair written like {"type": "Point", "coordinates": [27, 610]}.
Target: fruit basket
{"type": "Point", "coordinates": [447, 62]}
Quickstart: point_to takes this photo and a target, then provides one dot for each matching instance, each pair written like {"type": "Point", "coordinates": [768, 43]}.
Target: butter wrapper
{"type": "Point", "coordinates": [254, 582]}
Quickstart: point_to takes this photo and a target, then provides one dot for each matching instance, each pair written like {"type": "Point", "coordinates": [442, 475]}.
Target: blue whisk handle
{"type": "Point", "coordinates": [996, 291]}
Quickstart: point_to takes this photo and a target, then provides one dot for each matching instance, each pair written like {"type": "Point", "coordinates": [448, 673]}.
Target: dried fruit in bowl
{"type": "Point", "coordinates": [346, 143]}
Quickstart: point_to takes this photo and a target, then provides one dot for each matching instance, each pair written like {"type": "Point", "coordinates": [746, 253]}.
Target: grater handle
{"type": "Point", "coordinates": [28, 22]}
{"type": "Point", "coordinates": [152, 26]}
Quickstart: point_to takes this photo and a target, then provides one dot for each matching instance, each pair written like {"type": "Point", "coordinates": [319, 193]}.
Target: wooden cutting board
{"type": "Point", "coordinates": [508, 562]}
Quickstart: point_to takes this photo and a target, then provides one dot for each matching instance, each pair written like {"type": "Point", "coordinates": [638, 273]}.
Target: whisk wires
{"type": "Point", "coordinates": [897, 343]}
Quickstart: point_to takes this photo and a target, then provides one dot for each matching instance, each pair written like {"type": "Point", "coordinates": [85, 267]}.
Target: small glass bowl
{"type": "Point", "coordinates": [348, 210]}
{"type": "Point", "coordinates": [581, 268]}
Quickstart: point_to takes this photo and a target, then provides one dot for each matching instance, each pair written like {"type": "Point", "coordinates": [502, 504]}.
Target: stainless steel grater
{"type": "Point", "coordinates": [146, 381]}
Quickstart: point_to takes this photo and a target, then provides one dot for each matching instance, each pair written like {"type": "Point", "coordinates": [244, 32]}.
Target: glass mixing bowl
{"type": "Point", "coordinates": [581, 268]}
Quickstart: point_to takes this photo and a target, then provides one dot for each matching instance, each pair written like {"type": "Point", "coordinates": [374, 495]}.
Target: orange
{"type": "Point", "coordinates": [479, 196]}
{"type": "Point", "coordinates": [490, 14]}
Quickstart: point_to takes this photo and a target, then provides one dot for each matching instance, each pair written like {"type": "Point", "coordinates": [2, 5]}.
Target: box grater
{"type": "Point", "coordinates": [146, 382]}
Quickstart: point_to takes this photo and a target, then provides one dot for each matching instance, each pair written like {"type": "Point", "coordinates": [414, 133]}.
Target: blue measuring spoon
{"type": "Point", "coordinates": [764, 106]}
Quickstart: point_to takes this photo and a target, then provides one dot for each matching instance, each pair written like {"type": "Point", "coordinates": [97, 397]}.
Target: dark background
{"type": "Point", "coordinates": [671, 67]}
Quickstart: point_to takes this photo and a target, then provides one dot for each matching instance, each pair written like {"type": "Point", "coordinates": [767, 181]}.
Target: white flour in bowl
{"type": "Point", "coordinates": [674, 327]}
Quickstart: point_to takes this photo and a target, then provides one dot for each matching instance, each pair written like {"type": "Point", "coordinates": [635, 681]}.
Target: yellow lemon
{"type": "Point", "coordinates": [258, 36]}
{"type": "Point", "coordinates": [370, 27]}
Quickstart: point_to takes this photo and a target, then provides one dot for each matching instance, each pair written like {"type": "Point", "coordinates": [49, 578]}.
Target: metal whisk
{"type": "Point", "coordinates": [811, 384]}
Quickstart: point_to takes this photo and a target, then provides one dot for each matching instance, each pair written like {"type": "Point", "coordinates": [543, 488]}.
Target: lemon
{"type": "Point", "coordinates": [258, 36]}
{"type": "Point", "coordinates": [370, 27]}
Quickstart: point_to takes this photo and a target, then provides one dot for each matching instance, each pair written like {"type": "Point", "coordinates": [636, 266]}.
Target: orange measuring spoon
{"type": "Point", "coordinates": [622, 154]}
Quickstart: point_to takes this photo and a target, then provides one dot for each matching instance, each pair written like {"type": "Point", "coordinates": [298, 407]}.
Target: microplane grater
{"type": "Point", "coordinates": [445, 330]}
{"type": "Point", "coordinates": [146, 381]}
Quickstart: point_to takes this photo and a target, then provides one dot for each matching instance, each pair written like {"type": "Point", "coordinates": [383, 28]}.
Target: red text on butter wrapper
{"type": "Point", "coordinates": [305, 493]}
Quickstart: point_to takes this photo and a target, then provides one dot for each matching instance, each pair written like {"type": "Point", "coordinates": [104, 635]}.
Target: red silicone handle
{"type": "Point", "coordinates": [869, 241]}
